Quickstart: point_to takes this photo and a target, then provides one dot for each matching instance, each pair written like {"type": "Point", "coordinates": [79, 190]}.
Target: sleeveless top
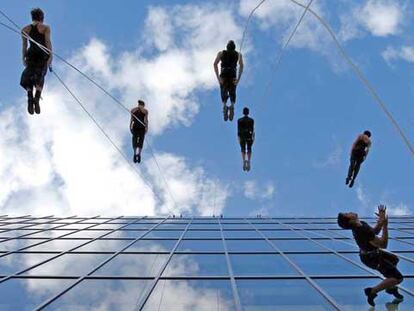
{"type": "Point", "coordinates": [229, 60]}
{"type": "Point", "coordinates": [35, 53]}
{"type": "Point", "coordinates": [360, 146]}
{"type": "Point", "coordinates": [245, 127]}
{"type": "Point", "coordinates": [140, 116]}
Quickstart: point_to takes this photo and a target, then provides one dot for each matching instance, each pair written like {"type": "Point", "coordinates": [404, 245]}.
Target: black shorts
{"type": "Point", "coordinates": [33, 75]}
{"type": "Point", "coordinates": [384, 262]}
{"type": "Point", "coordinates": [138, 137]}
{"type": "Point", "coordinates": [246, 143]}
{"type": "Point", "coordinates": [228, 88]}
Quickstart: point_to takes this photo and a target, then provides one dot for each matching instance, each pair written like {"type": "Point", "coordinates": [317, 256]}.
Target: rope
{"type": "Point", "coordinates": [46, 50]}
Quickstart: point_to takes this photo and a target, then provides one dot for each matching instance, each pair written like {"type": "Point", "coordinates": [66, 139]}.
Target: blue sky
{"type": "Point", "coordinates": [163, 51]}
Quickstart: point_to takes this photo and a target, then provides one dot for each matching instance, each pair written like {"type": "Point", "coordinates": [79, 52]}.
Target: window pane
{"type": "Point", "coordinates": [13, 245]}
{"type": "Point", "coordinates": [138, 265]}
{"type": "Point", "coordinates": [249, 246]}
{"type": "Point", "coordinates": [297, 245]}
{"type": "Point", "coordinates": [394, 245]}
{"type": "Point", "coordinates": [205, 226]}
{"type": "Point", "coordinates": [16, 262]}
{"type": "Point", "coordinates": [203, 234]}
{"type": "Point", "coordinates": [164, 234]}
{"type": "Point", "coordinates": [88, 234]}
{"type": "Point", "coordinates": [339, 245]}
{"type": "Point", "coordinates": [152, 246]}
{"type": "Point", "coordinates": [101, 295]}
{"type": "Point", "coordinates": [51, 234]}
{"type": "Point", "coordinates": [262, 264]}
{"type": "Point", "coordinates": [104, 246]}
{"type": "Point", "coordinates": [325, 264]}
{"type": "Point", "coordinates": [57, 245]}
{"type": "Point", "coordinates": [69, 264]}
{"type": "Point", "coordinates": [241, 234]}
{"type": "Point", "coordinates": [200, 295]}
{"type": "Point", "coordinates": [201, 246]}
{"type": "Point", "coordinates": [281, 234]}
{"type": "Point", "coordinates": [283, 295]}
{"type": "Point", "coordinates": [133, 234]}
{"type": "Point", "coordinates": [26, 294]}
{"type": "Point", "coordinates": [200, 265]}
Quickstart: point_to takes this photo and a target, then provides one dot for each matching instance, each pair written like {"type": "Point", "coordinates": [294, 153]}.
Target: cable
{"type": "Point", "coordinates": [46, 50]}
{"type": "Point", "coordinates": [248, 22]}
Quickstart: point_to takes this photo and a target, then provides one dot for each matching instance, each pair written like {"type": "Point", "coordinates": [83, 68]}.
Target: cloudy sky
{"type": "Point", "coordinates": [307, 112]}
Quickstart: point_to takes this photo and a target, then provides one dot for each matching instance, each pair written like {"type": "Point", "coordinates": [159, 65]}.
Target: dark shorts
{"type": "Point", "coordinates": [246, 143]}
{"type": "Point", "coordinates": [33, 75]}
{"type": "Point", "coordinates": [138, 137]}
{"type": "Point", "coordinates": [228, 88]}
{"type": "Point", "coordinates": [384, 262]}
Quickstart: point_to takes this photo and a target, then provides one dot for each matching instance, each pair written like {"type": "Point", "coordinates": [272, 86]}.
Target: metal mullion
{"type": "Point", "coordinates": [23, 227]}
{"type": "Point", "coordinates": [51, 239]}
{"type": "Point", "coordinates": [145, 296]}
{"type": "Point", "coordinates": [39, 231]}
{"type": "Point", "coordinates": [327, 297]}
{"type": "Point", "coordinates": [355, 263]}
{"type": "Point", "coordinates": [80, 279]}
{"type": "Point", "coordinates": [235, 291]}
{"type": "Point", "coordinates": [62, 253]}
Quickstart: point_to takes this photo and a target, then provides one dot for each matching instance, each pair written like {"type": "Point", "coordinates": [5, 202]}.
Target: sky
{"type": "Point", "coordinates": [307, 112]}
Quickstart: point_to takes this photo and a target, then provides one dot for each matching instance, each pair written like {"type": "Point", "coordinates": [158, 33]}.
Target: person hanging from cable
{"type": "Point", "coordinates": [228, 77]}
{"type": "Point", "coordinates": [35, 60]}
{"type": "Point", "coordinates": [245, 132]}
{"type": "Point", "coordinates": [372, 253]}
{"type": "Point", "coordinates": [138, 127]}
{"type": "Point", "coordinates": [359, 152]}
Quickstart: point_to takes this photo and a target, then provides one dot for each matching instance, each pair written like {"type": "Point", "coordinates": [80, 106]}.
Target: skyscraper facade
{"type": "Point", "coordinates": [200, 263]}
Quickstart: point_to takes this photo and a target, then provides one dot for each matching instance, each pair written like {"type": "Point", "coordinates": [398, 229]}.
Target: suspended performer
{"type": "Point", "coordinates": [245, 131]}
{"type": "Point", "coordinates": [35, 60]}
{"type": "Point", "coordinates": [228, 77]}
{"type": "Point", "coordinates": [138, 127]}
{"type": "Point", "coordinates": [372, 254]}
{"type": "Point", "coordinates": [359, 152]}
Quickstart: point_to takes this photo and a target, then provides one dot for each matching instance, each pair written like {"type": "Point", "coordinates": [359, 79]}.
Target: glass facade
{"type": "Point", "coordinates": [209, 263]}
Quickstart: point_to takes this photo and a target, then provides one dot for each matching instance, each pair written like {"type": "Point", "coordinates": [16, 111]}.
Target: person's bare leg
{"type": "Point", "coordinates": [387, 283]}
{"type": "Point", "coordinates": [37, 98]}
{"type": "Point", "coordinates": [30, 100]}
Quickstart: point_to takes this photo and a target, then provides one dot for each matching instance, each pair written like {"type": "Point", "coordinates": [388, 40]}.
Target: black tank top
{"type": "Point", "coordinates": [35, 52]}
{"type": "Point", "coordinates": [229, 59]}
{"type": "Point", "coordinates": [141, 117]}
{"type": "Point", "coordinates": [360, 146]}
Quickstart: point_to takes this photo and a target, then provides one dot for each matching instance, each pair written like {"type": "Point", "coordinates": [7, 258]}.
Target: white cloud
{"type": "Point", "coordinates": [405, 53]}
{"type": "Point", "coordinates": [331, 160]}
{"type": "Point", "coordinates": [58, 163]}
{"type": "Point", "coordinates": [400, 209]}
{"type": "Point", "coordinates": [380, 18]}
{"type": "Point", "coordinates": [254, 191]}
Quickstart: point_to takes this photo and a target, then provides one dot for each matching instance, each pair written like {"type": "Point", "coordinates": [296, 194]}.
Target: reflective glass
{"type": "Point", "coordinates": [16, 262]}
{"type": "Point", "coordinates": [101, 295]}
{"type": "Point", "coordinates": [339, 245]}
{"type": "Point", "coordinates": [261, 264]}
{"type": "Point", "coordinates": [141, 226]}
{"type": "Point", "coordinates": [57, 245]}
{"type": "Point", "coordinates": [164, 234]}
{"type": "Point", "coordinates": [249, 246]}
{"type": "Point", "coordinates": [349, 294]}
{"type": "Point", "coordinates": [132, 234]}
{"type": "Point", "coordinates": [26, 294]}
{"type": "Point", "coordinates": [281, 295]}
{"type": "Point", "coordinates": [201, 246]}
{"type": "Point", "coordinates": [203, 295]}
{"type": "Point", "coordinates": [15, 244]}
{"type": "Point", "coordinates": [51, 233]}
{"type": "Point", "coordinates": [325, 264]}
{"type": "Point", "coordinates": [89, 234]}
{"type": "Point", "coordinates": [205, 226]}
{"type": "Point", "coordinates": [197, 265]}
{"type": "Point", "coordinates": [203, 234]}
{"type": "Point", "coordinates": [394, 245]}
{"type": "Point", "coordinates": [281, 234]}
{"type": "Point", "coordinates": [241, 234]}
{"type": "Point", "coordinates": [138, 265]}
{"type": "Point", "coordinates": [152, 246]}
{"type": "Point", "coordinates": [297, 245]}
{"type": "Point", "coordinates": [70, 265]}
{"type": "Point", "coordinates": [104, 246]}
{"type": "Point", "coordinates": [16, 233]}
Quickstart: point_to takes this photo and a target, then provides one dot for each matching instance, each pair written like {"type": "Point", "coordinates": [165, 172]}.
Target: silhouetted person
{"type": "Point", "coordinates": [35, 60]}
{"type": "Point", "coordinates": [228, 78]}
{"type": "Point", "coordinates": [359, 152]}
{"type": "Point", "coordinates": [138, 128]}
{"type": "Point", "coordinates": [245, 132]}
{"type": "Point", "coordinates": [372, 254]}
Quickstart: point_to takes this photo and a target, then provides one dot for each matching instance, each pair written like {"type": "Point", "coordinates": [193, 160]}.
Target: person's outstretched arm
{"type": "Point", "coordinates": [241, 67]}
{"type": "Point", "coordinates": [382, 242]}
{"type": "Point", "coordinates": [381, 218]}
{"type": "Point", "coordinates": [216, 61]}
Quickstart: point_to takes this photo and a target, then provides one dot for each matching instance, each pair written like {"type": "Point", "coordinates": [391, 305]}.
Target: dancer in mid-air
{"type": "Point", "coordinates": [138, 127]}
{"type": "Point", "coordinates": [35, 59]}
{"type": "Point", "coordinates": [359, 152]}
{"type": "Point", "coordinates": [228, 77]}
{"type": "Point", "coordinates": [245, 132]}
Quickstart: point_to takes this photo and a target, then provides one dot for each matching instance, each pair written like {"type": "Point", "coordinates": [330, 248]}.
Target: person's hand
{"type": "Point", "coordinates": [382, 213]}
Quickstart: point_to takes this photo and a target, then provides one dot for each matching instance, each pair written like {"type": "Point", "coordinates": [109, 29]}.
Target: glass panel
{"type": "Point", "coordinates": [75, 226]}
{"type": "Point", "coordinates": [70, 265]}
{"type": "Point", "coordinates": [394, 245]}
{"type": "Point", "coordinates": [101, 295]}
{"type": "Point", "coordinates": [152, 246]}
{"type": "Point", "coordinates": [164, 234]}
{"type": "Point", "coordinates": [325, 264]}
{"type": "Point", "coordinates": [349, 293]}
{"type": "Point", "coordinates": [16, 262]}
{"type": "Point", "coordinates": [297, 245]}
{"type": "Point", "coordinates": [51, 234]}
{"type": "Point", "coordinates": [13, 245]}
{"type": "Point", "coordinates": [260, 265]}
{"type": "Point", "coordinates": [205, 226]}
{"type": "Point", "coordinates": [89, 234]}
{"type": "Point", "coordinates": [236, 226]}
{"type": "Point", "coordinates": [179, 227]}
{"type": "Point", "coordinates": [203, 234]}
{"type": "Point", "coordinates": [140, 226]}
{"type": "Point", "coordinates": [200, 295]}
{"type": "Point", "coordinates": [104, 246]}
{"type": "Point", "coordinates": [339, 245]}
{"type": "Point", "coordinates": [281, 234]}
{"type": "Point", "coordinates": [249, 246]}
{"type": "Point", "coordinates": [201, 246]}
{"type": "Point", "coordinates": [132, 234]}
{"type": "Point", "coordinates": [200, 265]}
{"type": "Point", "coordinates": [15, 233]}
{"type": "Point", "coordinates": [138, 265]}
{"type": "Point", "coordinates": [241, 234]}
{"type": "Point", "coordinates": [57, 245]}
{"type": "Point", "coordinates": [283, 295]}
{"type": "Point", "coordinates": [26, 294]}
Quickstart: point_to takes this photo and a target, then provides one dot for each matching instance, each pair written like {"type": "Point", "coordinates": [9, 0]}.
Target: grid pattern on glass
{"type": "Point", "coordinates": [214, 263]}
